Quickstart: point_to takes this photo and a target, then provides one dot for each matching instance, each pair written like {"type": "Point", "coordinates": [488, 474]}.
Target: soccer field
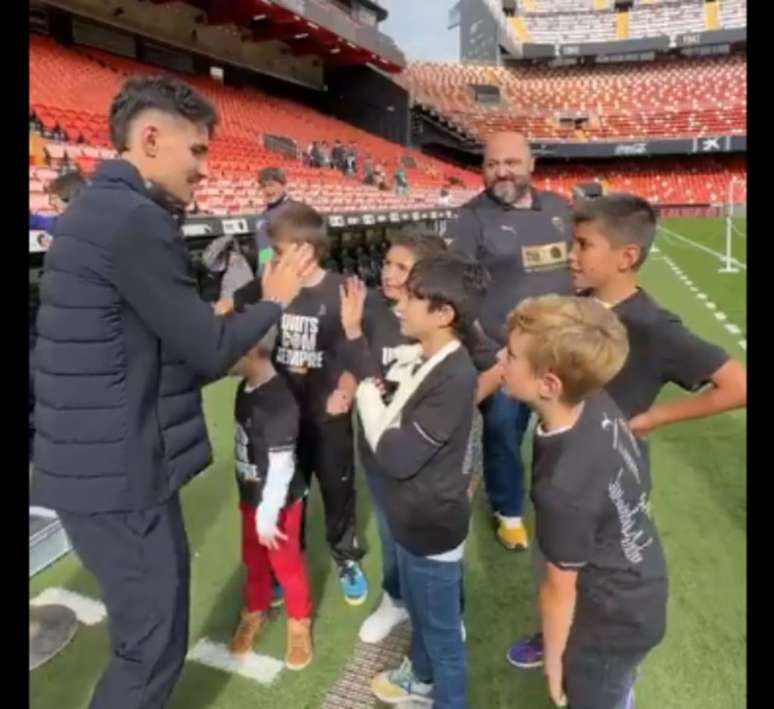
{"type": "Point", "coordinates": [699, 503]}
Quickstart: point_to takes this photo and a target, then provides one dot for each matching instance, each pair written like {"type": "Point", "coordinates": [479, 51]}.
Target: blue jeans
{"type": "Point", "coordinates": [505, 421]}
{"type": "Point", "coordinates": [431, 592]}
{"type": "Point", "coordinates": [594, 679]}
{"type": "Point", "coordinates": [390, 578]}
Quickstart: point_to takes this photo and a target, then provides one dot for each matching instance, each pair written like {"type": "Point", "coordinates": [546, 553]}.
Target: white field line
{"type": "Point", "coordinates": [88, 610]}
{"type": "Point", "coordinates": [259, 668]}
{"type": "Point", "coordinates": [704, 298]}
{"type": "Point", "coordinates": [701, 247]}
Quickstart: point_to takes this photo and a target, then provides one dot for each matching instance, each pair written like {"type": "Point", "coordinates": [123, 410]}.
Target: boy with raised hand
{"type": "Point", "coordinates": [372, 326]}
{"type": "Point", "coordinates": [613, 235]}
{"type": "Point", "coordinates": [271, 495]}
{"type": "Point", "coordinates": [419, 440]}
{"type": "Point", "coordinates": [369, 321]}
{"type": "Point", "coordinates": [603, 592]}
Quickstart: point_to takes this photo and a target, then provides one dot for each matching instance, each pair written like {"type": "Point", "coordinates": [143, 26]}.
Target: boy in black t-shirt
{"type": "Point", "coordinates": [418, 441]}
{"type": "Point", "coordinates": [307, 357]}
{"type": "Point", "coordinates": [376, 330]}
{"type": "Point", "coordinates": [603, 591]}
{"type": "Point", "coordinates": [613, 235]}
{"type": "Point", "coordinates": [271, 493]}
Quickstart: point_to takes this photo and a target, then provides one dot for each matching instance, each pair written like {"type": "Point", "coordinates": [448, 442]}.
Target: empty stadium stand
{"type": "Point", "coordinates": [674, 97]}
{"type": "Point", "coordinates": [698, 181]}
{"type": "Point", "coordinates": [578, 21]}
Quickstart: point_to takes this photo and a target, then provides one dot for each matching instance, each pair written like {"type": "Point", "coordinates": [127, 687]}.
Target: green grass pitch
{"type": "Point", "coordinates": [699, 505]}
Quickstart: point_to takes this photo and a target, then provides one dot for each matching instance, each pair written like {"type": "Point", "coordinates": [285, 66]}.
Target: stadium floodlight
{"type": "Point", "coordinates": [728, 266]}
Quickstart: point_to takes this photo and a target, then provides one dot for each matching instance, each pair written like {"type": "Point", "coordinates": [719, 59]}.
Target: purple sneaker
{"type": "Point", "coordinates": [527, 653]}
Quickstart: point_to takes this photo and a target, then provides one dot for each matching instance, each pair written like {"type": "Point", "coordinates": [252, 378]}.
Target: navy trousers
{"type": "Point", "coordinates": [141, 561]}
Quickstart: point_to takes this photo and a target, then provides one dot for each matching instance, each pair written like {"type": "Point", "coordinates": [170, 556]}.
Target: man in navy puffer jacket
{"type": "Point", "coordinates": [124, 345]}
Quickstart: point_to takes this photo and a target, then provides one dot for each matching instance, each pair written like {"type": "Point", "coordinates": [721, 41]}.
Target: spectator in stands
{"type": "Point", "coordinates": [118, 435]}
{"type": "Point", "coordinates": [80, 140]}
{"type": "Point", "coordinates": [35, 125]}
{"type": "Point", "coordinates": [523, 237]}
{"type": "Point", "coordinates": [273, 184]}
{"type": "Point", "coordinates": [401, 181]}
{"type": "Point", "coordinates": [444, 199]}
{"type": "Point", "coordinates": [338, 156]}
{"type": "Point", "coordinates": [381, 177]}
{"type": "Point", "coordinates": [315, 155]}
{"type": "Point", "coordinates": [325, 154]}
{"type": "Point", "coordinates": [368, 171]}
{"type": "Point", "coordinates": [351, 160]}
{"type": "Point", "coordinates": [61, 192]}
{"type": "Point", "coordinates": [58, 134]}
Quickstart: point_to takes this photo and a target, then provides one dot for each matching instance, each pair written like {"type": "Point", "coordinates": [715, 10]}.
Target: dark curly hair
{"type": "Point", "coordinates": [454, 280]}
{"type": "Point", "coordinates": [140, 93]}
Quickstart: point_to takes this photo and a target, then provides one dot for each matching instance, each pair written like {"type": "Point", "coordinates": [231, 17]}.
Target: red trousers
{"type": "Point", "coordinates": [287, 563]}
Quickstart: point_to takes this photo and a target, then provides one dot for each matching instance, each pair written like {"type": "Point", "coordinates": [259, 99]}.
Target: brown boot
{"type": "Point", "coordinates": [298, 645]}
{"type": "Point", "coordinates": [247, 632]}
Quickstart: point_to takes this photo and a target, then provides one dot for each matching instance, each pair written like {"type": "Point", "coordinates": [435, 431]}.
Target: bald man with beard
{"type": "Point", "coordinates": [523, 237]}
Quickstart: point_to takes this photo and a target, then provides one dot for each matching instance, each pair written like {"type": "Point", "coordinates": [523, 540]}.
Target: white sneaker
{"type": "Point", "coordinates": [378, 625]}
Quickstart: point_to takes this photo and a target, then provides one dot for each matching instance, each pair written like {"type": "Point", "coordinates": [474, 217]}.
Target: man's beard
{"type": "Point", "coordinates": [509, 191]}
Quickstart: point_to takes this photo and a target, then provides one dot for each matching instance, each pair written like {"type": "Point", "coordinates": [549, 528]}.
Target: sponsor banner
{"type": "Point", "coordinates": [702, 39]}
{"type": "Point", "coordinates": [635, 148]}
{"type": "Point", "coordinates": [627, 46]}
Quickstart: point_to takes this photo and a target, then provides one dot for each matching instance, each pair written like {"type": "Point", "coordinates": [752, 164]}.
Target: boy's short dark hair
{"type": "Point", "coordinates": [454, 280]}
{"type": "Point", "coordinates": [422, 244]}
{"type": "Point", "coordinates": [67, 186]}
{"type": "Point", "coordinates": [140, 93]}
{"type": "Point", "coordinates": [622, 218]}
{"type": "Point", "coordinates": [271, 174]}
{"type": "Point", "coordinates": [298, 223]}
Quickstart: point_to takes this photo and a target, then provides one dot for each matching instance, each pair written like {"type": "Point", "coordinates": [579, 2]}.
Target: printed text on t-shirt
{"type": "Point", "coordinates": [298, 345]}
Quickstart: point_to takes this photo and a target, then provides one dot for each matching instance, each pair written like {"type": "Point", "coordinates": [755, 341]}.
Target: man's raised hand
{"type": "Point", "coordinates": [282, 280]}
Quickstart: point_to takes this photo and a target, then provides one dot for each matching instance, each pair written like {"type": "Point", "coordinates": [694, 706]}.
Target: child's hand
{"type": "Point", "coordinates": [269, 535]}
{"type": "Point", "coordinates": [555, 680]}
{"type": "Point", "coordinates": [347, 383]}
{"type": "Point", "coordinates": [353, 295]}
{"type": "Point", "coordinates": [339, 402]}
{"type": "Point", "coordinates": [225, 306]}
{"type": "Point", "coordinates": [273, 540]}
{"type": "Point", "coordinates": [642, 424]}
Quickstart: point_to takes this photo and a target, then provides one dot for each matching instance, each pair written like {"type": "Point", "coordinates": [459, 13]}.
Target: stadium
{"type": "Point", "coordinates": [639, 96]}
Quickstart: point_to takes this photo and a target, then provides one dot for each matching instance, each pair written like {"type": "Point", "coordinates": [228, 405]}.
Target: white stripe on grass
{"type": "Point", "coordinates": [88, 610]}
{"type": "Point", "coordinates": [259, 668]}
{"type": "Point", "coordinates": [733, 329]}
{"type": "Point", "coordinates": [701, 247]}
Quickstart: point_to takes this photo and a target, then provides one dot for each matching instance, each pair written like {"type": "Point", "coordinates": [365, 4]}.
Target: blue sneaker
{"type": "Point", "coordinates": [277, 599]}
{"type": "Point", "coordinates": [527, 653]}
{"type": "Point", "coordinates": [353, 583]}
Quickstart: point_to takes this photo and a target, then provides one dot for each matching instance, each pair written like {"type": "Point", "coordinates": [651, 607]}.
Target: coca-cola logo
{"type": "Point", "coordinates": [631, 149]}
